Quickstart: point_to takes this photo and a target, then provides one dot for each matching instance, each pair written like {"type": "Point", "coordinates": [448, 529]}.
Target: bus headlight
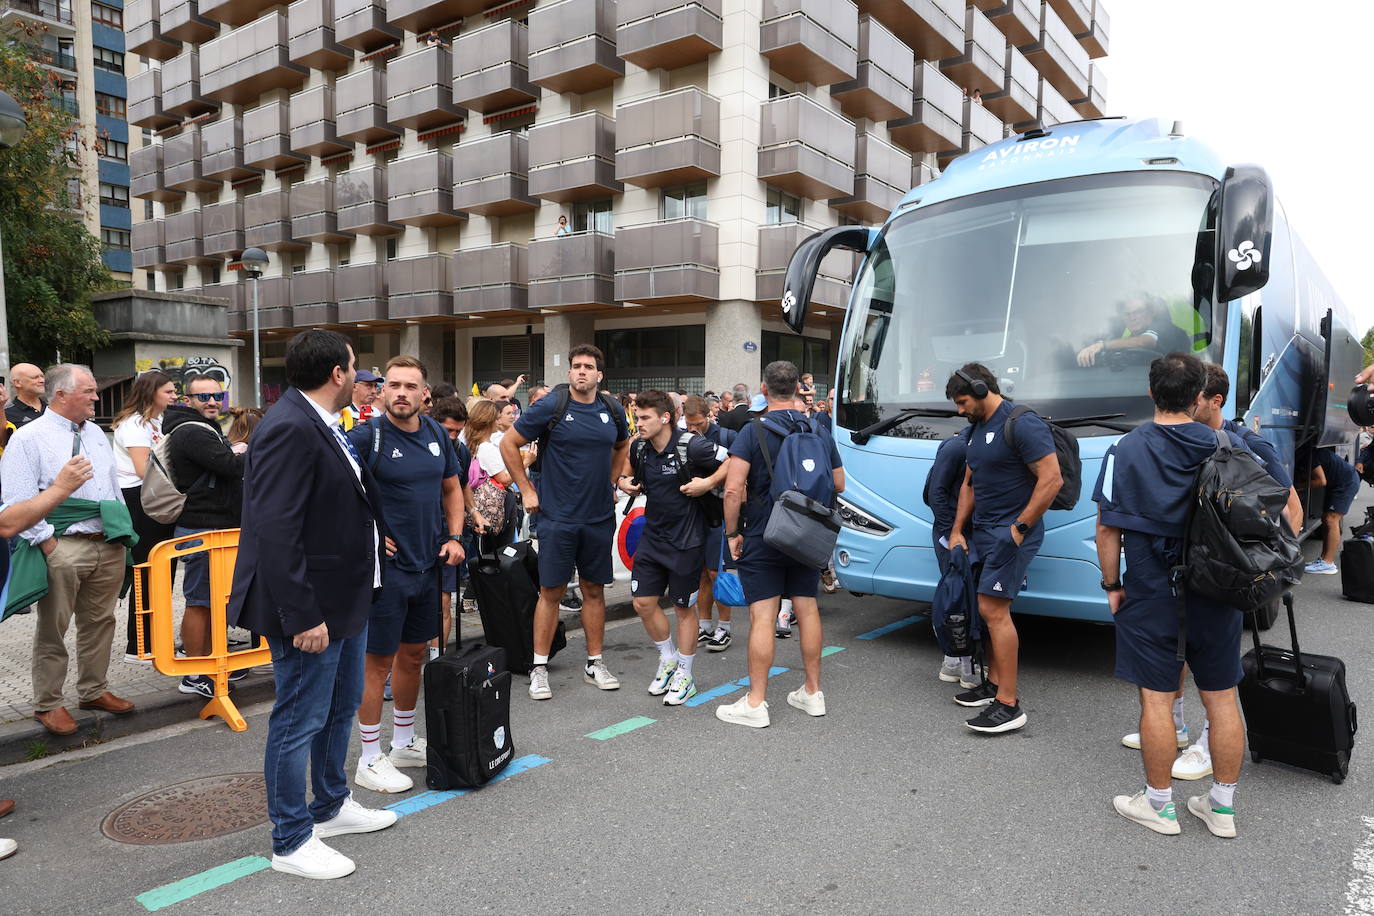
{"type": "Point", "coordinates": [851, 516]}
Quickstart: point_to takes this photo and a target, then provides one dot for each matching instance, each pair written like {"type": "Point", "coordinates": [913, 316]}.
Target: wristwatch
{"type": "Point", "coordinates": [1022, 528]}
{"type": "Point", "coordinates": [732, 534]}
{"type": "Point", "coordinates": [1112, 586]}
{"type": "Point", "coordinates": [454, 537]}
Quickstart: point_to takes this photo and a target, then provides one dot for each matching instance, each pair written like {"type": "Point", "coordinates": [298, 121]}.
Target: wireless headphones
{"type": "Point", "coordinates": [980, 387]}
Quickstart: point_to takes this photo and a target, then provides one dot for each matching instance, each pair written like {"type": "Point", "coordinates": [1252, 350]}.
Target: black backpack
{"type": "Point", "coordinates": [1065, 449]}
{"type": "Point", "coordinates": [711, 503]}
{"type": "Point", "coordinates": [1238, 550]}
{"type": "Point", "coordinates": [563, 395]}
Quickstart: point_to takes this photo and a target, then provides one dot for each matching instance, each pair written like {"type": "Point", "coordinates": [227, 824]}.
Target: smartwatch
{"type": "Point", "coordinates": [732, 534]}
{"type": "Point", "coordinates": [454, 537]}
{"type": "Point", "coordinates": [1112, 586]}
{"type": "Point", "coordinates": [1022, 528]}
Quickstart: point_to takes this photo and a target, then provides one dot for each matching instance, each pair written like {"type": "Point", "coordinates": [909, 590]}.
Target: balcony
{"type": "Point", "coordinates": [1054, 108]}
{"type": "Point", "coordinates": [145, 101]}
{"type": "Point", "coordinates": [53, 16]}
{"type": "Point", "coordinates": [236, 12]}
{"type": "Point", "coordinates": [493, 68]}
{"type": "Point", "coordinates": [361, 197]}
{"type": "Point", "coordinates": [310, 36]}
{"type": "Point", "coordinates": [980, 127]}
{"type": "Point", "coordinates": [982, 66]}
{"type": "Point", "coordinates": [669, 139]}
{"type": "Point", "coordinates": [936, 121]}
{"type": "Point", "coordinates": [882, 89]}
{"type": "Point", "coordinates": [1058, 56]}
{"type": "Point", "coordinates": [274, 304]}
{"type": "Point", "coordinates": [777, 243]}
{"type": "Point", "coordinates": [181, 20]}
{"type": "Point", "coordinates": [313, 131]}
{"type": "Point", "coordinates": [422, 15]}
{"type": "Point", "coordinates": [923, 173]}
{"type": "Point", "coordinates": [267, 221]}
{"type": "Point", "coordinates": [667, 33]}
{"type": "Point", "coordinates": [182, 94]}
{"type": "Point", "coordinates": [668, 262]}
{"type": "Point", "coordinates": [149, 245]}
{"type": "Point", "coordinates": [312, 297]}
{"type": "Point", "coordinates": [805, 149]}
{"type": "Point", "coordinates": [183, 163]}
{"type": "Point", "coordinates": [185, 240]}
{"type": "Point", "coordinates": [146, 175]}
{"type": "Point", "coordinates": [362, 26]}
{"type": "Point", "coordinates": [491, 281]}
{"type": "Point", "coordinates": [314, 216]}
{"type": "Point", "coordinates": [421, 189]}
{"type": "Point", "coordinates": [267, 137]}
{"type": "Point", "coordinates": [1015, 102]}
{"type": "Point", "coordinates": [1095, 39]}
{"type": "Point", "coordinates": [143, 32]}
{"type": "Point", "coordinates": [491, 176]}
{"type": "Point", "coordinates": [573, 159]}
{"type": "Point", "coordinates": [882, 174]}
{"type": "Point", "coordinates": [419, 288]}
{"type": "Point", "coordinates": [360, 99]}
{"type": "Point", "coordinates": [934, 29]}
{"type": "Point", "coordinates": [251, 60]}
{"type": "Point", "coordinates": [222, 143]}
{"type": "Point", "coordinates": [361, 291]}
{"type": "Point", "coordinates": [420, 89]}
{"type": "Point", "coordinates": [223, 225]}
{"type": "Point", "coordinates": [811, 40]}
{"type": "Point", "coordinates": [1094, 104]}
{"type": "Point", "coordinates": [1019, 20]}
{"type": "Point", "coordinates": [572, 45]}
{"type": "Point", "coordinates": [1076, 14]}
{"type": "Point", "coordinates": [572, 272]}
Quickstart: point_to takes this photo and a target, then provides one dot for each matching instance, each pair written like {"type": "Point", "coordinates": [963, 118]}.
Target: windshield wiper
{"type": "Point", "coordinates": [1102, 421]}
{"type": "Point", "coordinates": [868, 432]}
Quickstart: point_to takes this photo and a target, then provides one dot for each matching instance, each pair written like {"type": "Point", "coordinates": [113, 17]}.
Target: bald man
{"type": "Point", "coordinates": [28, 402]}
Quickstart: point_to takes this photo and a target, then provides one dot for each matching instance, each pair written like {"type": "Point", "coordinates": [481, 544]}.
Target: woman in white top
{"type": "Point", "coordinates": [137, 428]}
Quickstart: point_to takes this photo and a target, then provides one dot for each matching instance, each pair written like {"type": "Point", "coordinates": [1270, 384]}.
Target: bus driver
{"type": "Point", "coordinates": [1146, 326]}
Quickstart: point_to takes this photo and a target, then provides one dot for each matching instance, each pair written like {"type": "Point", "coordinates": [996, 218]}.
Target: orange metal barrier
{"type": "Point", "coordinates": [154, 605]}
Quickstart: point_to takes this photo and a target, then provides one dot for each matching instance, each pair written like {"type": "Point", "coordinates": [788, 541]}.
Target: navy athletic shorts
{"type": "Point", "coordinates": [714, 537]}
{"type": "Point", "coordinates": [195, 571]}
{"type": "Point", "coordinates": [661, 568]}
{"type": "Point", "coordinates": [406, 611]}
{"type": "Point", "coordinates": [565, 545]}
{"type": "Point", "coordinates": [1338, 501]}
{"type": "Point", "coordinates": [1004, 564]}
{"type": "Point", "coordinates": [766, 573]}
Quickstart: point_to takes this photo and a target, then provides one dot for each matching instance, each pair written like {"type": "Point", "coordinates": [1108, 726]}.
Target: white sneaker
{"type": "Point", "coordinates": [410, 754]}
{"type": "Point", "coordinates": [7, 848]}
{"type": "Point", "coordinates": [950, 673]}
{"type": "Point", "coordinates": [314, 860]}
{"type": "Point", "coordinates": [354, 818]}
{"type": "Point", "coordinates": [681, 688]}
{"type": "Point", "coordinates": [381, 775]}
{"type": "Point", "coordinates": [972, 679]}
{"type": "Point", "coordinates": [813, 704]}
{"type": "Point", "coordinates": [741, 713]}
{"type": "Point", "coordinates": [597, 673]}
{"type": "Point", "coordinates": [1193, 763]}
{"type": "Point", "coordinates": [539, 683]}
{"type": "Point", "coordinates": [1221, 821]}
{"type": "Point", "coordinates": [659, 685]}
{"type": "Point", "coordinates": [1133, 739]}
{"type": "Point", "coordinates": [1138, 808]}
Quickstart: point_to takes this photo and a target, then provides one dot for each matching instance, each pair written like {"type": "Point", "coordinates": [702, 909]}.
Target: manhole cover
{"type": "Point", "coordinates": [194, 810]}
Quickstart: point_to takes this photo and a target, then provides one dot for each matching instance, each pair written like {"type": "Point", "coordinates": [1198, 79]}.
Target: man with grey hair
{"type": "Point", "coordinates": [738, 415]}
{"type": "Point", "coordinates": [83, 540]}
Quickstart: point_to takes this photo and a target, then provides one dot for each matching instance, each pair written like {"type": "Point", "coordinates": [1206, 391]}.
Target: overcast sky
{"type": "Point", "coordinates": [1284, 83]}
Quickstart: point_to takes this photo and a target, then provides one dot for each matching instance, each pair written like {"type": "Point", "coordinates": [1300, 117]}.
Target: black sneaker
{"type": "Point", "coordinates": [236, 676]}
{"type": "Point", "coordinates": [719, 641]}
{"type": "Point", "coordinates": [197, 684]}
{"type": "Point", "coordinates": [998, 717]}
{"type": "Point", "coordinates": [981, 695]}
{"type": "Point", "coordinates": [570, 602]}
{"type": "Point", "coordinates": [703, 637]}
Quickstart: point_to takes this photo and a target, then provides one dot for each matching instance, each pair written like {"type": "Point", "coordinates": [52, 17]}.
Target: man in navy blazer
{"type": "Point", "coordinates": [308, 563]}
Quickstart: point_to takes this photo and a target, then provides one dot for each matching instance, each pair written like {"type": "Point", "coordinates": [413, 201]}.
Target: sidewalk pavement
{"type": "Point", "coordinates": [159, 703]}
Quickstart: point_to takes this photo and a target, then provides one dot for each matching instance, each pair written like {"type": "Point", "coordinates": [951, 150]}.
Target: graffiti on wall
{"type": "Point", "coordinates": [183, 369]}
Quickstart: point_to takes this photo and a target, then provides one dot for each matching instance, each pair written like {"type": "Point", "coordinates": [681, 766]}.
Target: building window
{"type": "Point", "coordinates": [776, 91]}
{"type": "Point", "coordinates": [114, 239]}
{"type": "Point", "coordinates": [147, 209]}
{"type": "Point", "coordinates": [808, 354]}
{"type": "Point", "coordinates": [112, 106]}
{"type": "Point", "coordinates": [107, 15]}
{"type": "Point", "coordinates": [178, 281]}
{"type": "Point", "coordinates": [391, 249]}
{"type": "Point", "coordinates": [782, 207]}
{"type": "Point", "coordinates": [113, 195]}
{"type": "Point", "coordinates": [593, 216]}
{"type": "Point", "coordinates": [105, 59]}
{"type": "Point", "coordinates": [117, 150]}
{"type": "Point", "coordinates": [214, 274]}
{"type": "Point", "coordinates": [152, 281]}
{"type": "Point", "coordinates": [686, 201]}
{"type": "Point", "coordinates": [74, 192]}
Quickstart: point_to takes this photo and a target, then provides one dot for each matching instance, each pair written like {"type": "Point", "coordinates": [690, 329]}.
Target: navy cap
{"type": "Point", "coordinates": [366, 375]}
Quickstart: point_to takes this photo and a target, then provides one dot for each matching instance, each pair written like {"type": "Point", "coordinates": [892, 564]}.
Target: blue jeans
{"type": "Point", "coordinates": [317, 698]}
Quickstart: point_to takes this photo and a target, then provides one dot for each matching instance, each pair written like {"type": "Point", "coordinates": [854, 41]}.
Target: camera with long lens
{"type": "Point", "coordinates": [1361, 406]}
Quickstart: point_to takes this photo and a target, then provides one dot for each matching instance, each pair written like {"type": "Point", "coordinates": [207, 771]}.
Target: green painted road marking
{"type": "Point", "coordinates": [620, 728]}
{"type": "Point", "coordinates": [186, 888]}
{"type": "Point", "coordinates": [831, 650]}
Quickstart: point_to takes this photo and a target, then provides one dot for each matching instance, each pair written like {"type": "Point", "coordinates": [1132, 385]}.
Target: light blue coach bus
{"type": "Point", "coordinates": [1024, 256]}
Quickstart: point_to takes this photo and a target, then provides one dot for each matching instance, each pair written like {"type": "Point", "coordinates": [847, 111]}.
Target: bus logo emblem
{"type": "Point", "coordinates": [1244, 255]}
{"type": "Point", "coordinates": [788, 301]}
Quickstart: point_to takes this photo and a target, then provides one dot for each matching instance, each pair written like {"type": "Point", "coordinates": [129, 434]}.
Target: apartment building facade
{"type": "Point", "coordinates": [406, 164]}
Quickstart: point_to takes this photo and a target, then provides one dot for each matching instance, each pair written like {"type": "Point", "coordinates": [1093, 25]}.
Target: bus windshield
{"type": "Point", "coordinates": [1066, 290]}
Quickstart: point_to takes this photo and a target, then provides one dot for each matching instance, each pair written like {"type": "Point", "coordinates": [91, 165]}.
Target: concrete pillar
{"type": "Point", "coordinates": [426, 343]}
{"type": "Point", "coordinates": [734, 337]}
{"type": "Point", "coordinates": [462, 361]}
{"type": "Point", "coordinates": [561, 332]}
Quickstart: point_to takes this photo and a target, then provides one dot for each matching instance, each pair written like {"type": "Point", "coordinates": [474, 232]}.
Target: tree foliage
{"type": "Point", "coordinates": [52, 263]}
{"type": "Point", "coordinates": [1368, 342]}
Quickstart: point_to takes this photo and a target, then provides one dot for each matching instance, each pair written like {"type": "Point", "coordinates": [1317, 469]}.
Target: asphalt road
{"type": "Point", "coordinates": [886, 805]}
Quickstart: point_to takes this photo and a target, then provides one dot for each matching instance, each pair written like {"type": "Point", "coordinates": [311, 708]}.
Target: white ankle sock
{"type": "Point", "coordinates": [966, 665]}
{"type": "Point", "coordinates": [685, 662]}
{"type": "Point", "coordinates": [402, 727]}
{"type": "Point", "coordinates": [1159, 797]}
{"type": "Point", "coordinates": [371, 737]}
{"type": "Point", "coordinates": [666, 652]}
{"type": "Point", "coordinates": [951, 661]}
{"type": "Point", "coordinates": [1179, 724]}
{"type": "Point", "coordinates": [541, 660]}
{"type": "Point", "coordinates": [704, 626]}
{"type": "Point", "coordinates": [1223, 794]}
{"type": "Point", "coordinates": [724, 625]}
{"type": "Point", "coordinates": [1205, 741]}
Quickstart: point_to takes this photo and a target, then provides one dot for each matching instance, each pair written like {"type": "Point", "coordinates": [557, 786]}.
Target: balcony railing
{"type": "Point", "coordinates": [421, 189]}
{"type": "Point", "coordinates": [668, 262]}
{"type": "Point", "coordinates": [1015, 102]}
{"type": "Point", "coordinates": [491, 176]}
{"type": "Point", "coordinates": [360, 98]}
{"type": "Point", "coordinates": [936, 121]}
{"type": "Point", "coordinates": [882, 174]}
{"type": "Point", "coordinates": [60, 13]}
{"type": "Point", "coordinates": [811, 40]}
{"type": "Point", "coordinates": [491, 280]}
{"type": "Point", "coordinates": [934, 29]}
{"type": "Point", "coordinates": [882, 89]}
{"type": "Point", "coordinates": [668, 33]}
{"type": "Point", "coordinates": [419, 287]}
{"type": "Point", "coordinates": [491, 67]}
{"type": "Point", "coordinates": [777, 243]}
{"type": "Point", "coordinates": [361, 291]}
{"type": "Point", "coordinates": [143, 31]}
{"type": "Point", "coordinates": [982, 66]}
{"type": "Point", "coordinates": [362, 200]}
{"type": "Point", "coordinates": [668, 139]}
{"type": "Point", "coordinates": [573, 158]}
{"type": "Point", "coordinates": [805, 148]}
{"type": "Point", "coordinates": [572, 272]}
{"type": "Point", "coordinates": [572, 45]}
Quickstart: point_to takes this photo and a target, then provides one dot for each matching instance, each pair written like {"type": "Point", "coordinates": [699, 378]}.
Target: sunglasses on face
{"type": "Point", "coordinates": [206, 396]}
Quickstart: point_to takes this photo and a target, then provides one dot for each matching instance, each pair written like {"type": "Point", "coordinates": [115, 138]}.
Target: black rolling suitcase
{"type": "Point", "coordinates": [1297, 708]}
{"type": "Point", "coordinates": [467, 718]}
{"type": "Point", "coordinates": [1357, 570]}
{"type": "Point", "coordinates": [506, 585]}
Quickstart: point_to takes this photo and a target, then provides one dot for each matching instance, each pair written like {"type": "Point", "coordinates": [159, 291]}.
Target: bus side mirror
{"type": "Point", "coordinates": [800, 278]}
{"type": "Point", "coordinates": [1245, 232]}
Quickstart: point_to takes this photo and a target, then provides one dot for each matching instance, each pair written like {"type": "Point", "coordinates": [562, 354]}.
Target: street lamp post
{"type": "Point", "coordinates": [254, 260]}
{"type": "Point", "coordinates": [12, 128]}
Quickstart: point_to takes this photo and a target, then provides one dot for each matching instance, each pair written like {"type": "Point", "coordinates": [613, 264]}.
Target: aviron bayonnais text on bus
{"type": "Point", "coordinates": [1066, 260]}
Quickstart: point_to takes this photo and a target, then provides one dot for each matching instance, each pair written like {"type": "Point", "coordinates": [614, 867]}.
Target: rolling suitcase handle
{"type": "Point", "coordinates": [1293, 636]}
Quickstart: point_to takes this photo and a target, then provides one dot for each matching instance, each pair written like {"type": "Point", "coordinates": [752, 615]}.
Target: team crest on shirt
{"type": "Point", "coordinates": [568, 418]}
{"type": "Point", "coordinates": [605, 417]}
{"type": "Point", "coordinates": [396, 453]}
{"type": "Point", "coordinates": [989, 437]}
{"type": "Point", "coordinates": [434, 449]}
